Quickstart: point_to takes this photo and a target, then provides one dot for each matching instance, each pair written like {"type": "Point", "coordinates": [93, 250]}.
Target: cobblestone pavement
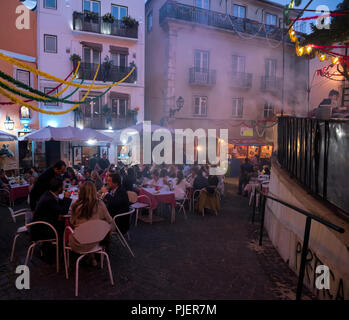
{"type": "Point", "coordinates": [210, 257]}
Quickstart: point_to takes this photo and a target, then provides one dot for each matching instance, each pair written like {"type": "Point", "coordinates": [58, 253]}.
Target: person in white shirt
{"type": "Point", "coordinates": [181, 186]}
{"type": "Point", "coordinates": [155, 181]}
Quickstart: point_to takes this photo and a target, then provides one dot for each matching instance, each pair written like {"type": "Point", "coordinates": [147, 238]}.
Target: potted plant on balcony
{"type": "Point", "coordinates": [132, 114]}
{"type": "Point", "coordinates": [107, 21]}
{"type": "Point", "coordinates": [129, 22]}
{"type": "Point", "coordinates": [106, 112]}
{"type": "Point", "coordinates": [107, 65]}
{"type": "Point", "coordinates": [75, 58]}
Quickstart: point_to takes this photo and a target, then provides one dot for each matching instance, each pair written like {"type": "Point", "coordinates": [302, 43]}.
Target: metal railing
{"type": "Point", "coordinates": [101, 122]}
{"type": "Point", "coordinates": [219, 20]}
{"type": "Point", "coordinates": [271, 84]}
{"type": "Point", "coordinates": [202, 76]}
{"type": "Point", "coordinates": [88, 23]}
{"type": "Point", "coordinates": [315, 152]}
{"type": "Point", "coordinates": [309, 217]}
{"type": "Point", "coordinates": [87, 72]}
{"type": "Point", "coordinates": [241, 80]}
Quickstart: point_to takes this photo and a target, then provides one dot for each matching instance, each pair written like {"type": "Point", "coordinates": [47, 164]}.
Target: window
{"type": "Point", "coordinates": [118, 12]}
{"type": "Point", "coordinates": [201, 61]}
{"type": "Point", "coordinates": [238, 107]}
{"type": "Point", "coordinates": [119, 59]}
{"type": "Point", "coordinates": [47, 90]}
{"type": "Point", "coordinates": [50, 43]}
{"type": "Point", "coordinates": [119, 108]}
{"type": "Point", "coordinates": [150, 21]}
{"type": "Point", "coordinates": [268, 110]}
{"type": "Point", "coordinates": [270, 19]}
{"type": "Point", "coordinates": [92, 6]}
{"type": "Point", "coordinates": [23, 76]}
{"type": "Point", "coordinates": [91, 55]}
{"type": "Point", "coordinates": [270, 68]}
{"type": "Point", "coordinates": [239, 11]}
{"type": "Point", "coordinates": [239, 63]}
{"type": "Point", "coordinates": [200, 106]}
{"type": "Point", "coordinates": [50, 4]}
{"type": "Point", "coordinates": [92, 109]}
{"type": "Point", "coordinates": [203, 4]}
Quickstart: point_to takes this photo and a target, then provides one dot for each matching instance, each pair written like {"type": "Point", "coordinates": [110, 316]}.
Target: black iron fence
{"type": "Point", "coordinates": [93, 23]}
{"type": "Point", "coordinates": [219, 20]}
{"type": "Point", "coordinates": [309, 217]}
{"type": "Point", "coordinates": [315, 152]}
{"type": "Point", "coordinates": [107, 74]}
{"type": "Point", "coordinates": [202, 76]}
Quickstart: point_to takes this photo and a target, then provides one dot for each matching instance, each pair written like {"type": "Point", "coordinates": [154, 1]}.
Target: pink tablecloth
{"type": "Point", "coordinates": [17, 192]}
{"type": "Point", "coordinates": [163, 197]}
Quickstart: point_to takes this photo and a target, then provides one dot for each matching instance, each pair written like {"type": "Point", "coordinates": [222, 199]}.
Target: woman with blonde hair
{"type": "Point", "coordinates": [88, 207]}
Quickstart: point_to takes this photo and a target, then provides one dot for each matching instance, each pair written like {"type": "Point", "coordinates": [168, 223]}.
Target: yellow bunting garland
{"type": "Point", "coordinates": [22, 103]}
{"type": "Point", "coordinates": [49, 76]}
{"type": "Point", "coordinates": [70, 82]}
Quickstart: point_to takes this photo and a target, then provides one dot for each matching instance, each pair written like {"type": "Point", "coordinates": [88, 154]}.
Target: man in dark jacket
{"type": "Point", "coordinates": [42, 183]}
{"type": "Point", "coordinates": [200, 181]}
{"type": "Point", "coordinates": [49, 209]}
{"type": "Point", "coordinates": [116, 200]}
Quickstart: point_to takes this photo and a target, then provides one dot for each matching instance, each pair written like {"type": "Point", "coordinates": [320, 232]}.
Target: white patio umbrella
{"type": "Point", "coordinates": [66, 134]}
{"type": "Point", "coordinates": [4, 136]}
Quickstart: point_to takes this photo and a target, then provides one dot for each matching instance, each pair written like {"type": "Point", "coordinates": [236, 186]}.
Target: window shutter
{"type": "Point", "coordinates": [235, 64]}
{"type": "Point", "coordinates": [23, 76]}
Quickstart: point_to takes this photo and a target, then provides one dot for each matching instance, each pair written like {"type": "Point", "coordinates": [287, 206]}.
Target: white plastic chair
{"type": "Point", "coordinates": [118, 232]}
{"type": "Point", "coordinates": [31, 248]}
{"type": "Point", "coordinates": [20, 230]}
{"type": "Point", "coordinates": [140, 205]}
{"type": "Point", "coordinates": [181, 202]}
{"type": "Point", "coordinates": [93, 231]}
{"type": "Point", "coordinates": [196, 194]}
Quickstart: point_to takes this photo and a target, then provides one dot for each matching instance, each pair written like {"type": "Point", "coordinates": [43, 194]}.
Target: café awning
{"type": "Point", "coordinates": [66, 134]}
{"type": "Point", "coordinates": [5, 136]}
{"type": "Point", "coordinates": [250, 142]}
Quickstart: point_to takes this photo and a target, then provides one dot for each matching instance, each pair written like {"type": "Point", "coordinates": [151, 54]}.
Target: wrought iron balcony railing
{"type": "Point", "coordinates": [241, 80]}
{"type": "Point", "coordinates": [228, 22]}
{"type": "Point", "coordinates": [90, 23]}
{"type": "Point", "coordinates": [204, 77]}
{"type": "Point", "coordinates": [101, 122]}
{"type": "Point", "coordinates": [113, 74]}
{"type": "Point", "coordinates": [271, 84]}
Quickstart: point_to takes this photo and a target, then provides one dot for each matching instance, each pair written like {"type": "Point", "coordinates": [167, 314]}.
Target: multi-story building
{"type": "Point", "coordinates": [18, 40]}
{"type": "Point", "coordinates": [106, 33]}
{"type": "Point", "coordinates": [227, 60]}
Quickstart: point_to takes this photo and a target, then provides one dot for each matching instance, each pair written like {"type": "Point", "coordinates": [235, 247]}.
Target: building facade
{"type": "Point", "coordinates": [105, 33]}
{"type": "Point", "coordinates": [227, 61]}
{"type": "Point", "coordinates": [18, 40]}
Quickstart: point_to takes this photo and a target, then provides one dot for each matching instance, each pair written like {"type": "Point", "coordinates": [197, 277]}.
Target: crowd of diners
{"type": "Point", "coordinates": [103, 193]}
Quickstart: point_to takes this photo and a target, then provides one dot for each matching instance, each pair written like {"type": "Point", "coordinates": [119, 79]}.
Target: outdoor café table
{"type": "Point", "coordinates": [156, 197]}
{"type": "Point", "coordinates": [18, 191]}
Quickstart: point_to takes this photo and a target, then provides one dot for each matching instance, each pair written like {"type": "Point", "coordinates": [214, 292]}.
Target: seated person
{"type": "Point", "coordinates": [49, 209]}
{"type": "Point", "coordinates": [181, 186]}
{"type": "Point", "coordinates": [172, 172]}
{"type": "Point", "coordinates": [130, 179]}
{"type": "Point", "coordinates": [116, 200]}
{"type": "Point", "coordinates": [88, 174]}
{"type": "Point", "coordinates": [3, 177]}
{"type": "Point", "coordinates": [164, 178]}
{"type": "Point", "coordinates": [69, 176]}
{"type": "Point", "coordinates": [96, 180]}
{"type": "Point", "coordinates": [200, 181]}
{"type": "Point", "coordinates": [212, 184]}
{"type": "Point", "coordinates": [155, 181]}
{"type": "Point", "coordinates": [87, 208]}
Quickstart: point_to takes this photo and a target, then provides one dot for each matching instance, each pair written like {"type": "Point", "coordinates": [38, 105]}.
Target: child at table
{"type": "Point", "coordinates": [181, 186]}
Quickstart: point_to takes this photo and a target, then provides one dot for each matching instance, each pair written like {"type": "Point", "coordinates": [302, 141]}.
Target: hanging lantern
{"type": "Point", "coordinates": [9, 124]}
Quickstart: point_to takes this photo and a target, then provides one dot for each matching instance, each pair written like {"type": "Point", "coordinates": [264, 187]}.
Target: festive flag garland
{"type": "Point", "coordinates": [52, 90]}
{"type": "Point", "coordinates": [49, 76]}
{"type": "Point", "coordinates": [21, 102]}
{"type": "Point", "coordinates": [67, 86]}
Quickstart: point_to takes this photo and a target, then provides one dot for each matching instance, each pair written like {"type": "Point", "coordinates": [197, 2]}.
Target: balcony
{"type": "Point", "coordinates": [88, 70]}
{"type": "Point", "coordinates": [241, 80]}
{"type": "Point", "coordinates": [101, 122]}
{"type": "Point", "coordinates": [171, 10]}
{"type": "Point", "coordinates": [95, 24]}
{"type": "Point", "coordinates": [202, 77]}
{"type": "Point", "coordinates": [271, 84]}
